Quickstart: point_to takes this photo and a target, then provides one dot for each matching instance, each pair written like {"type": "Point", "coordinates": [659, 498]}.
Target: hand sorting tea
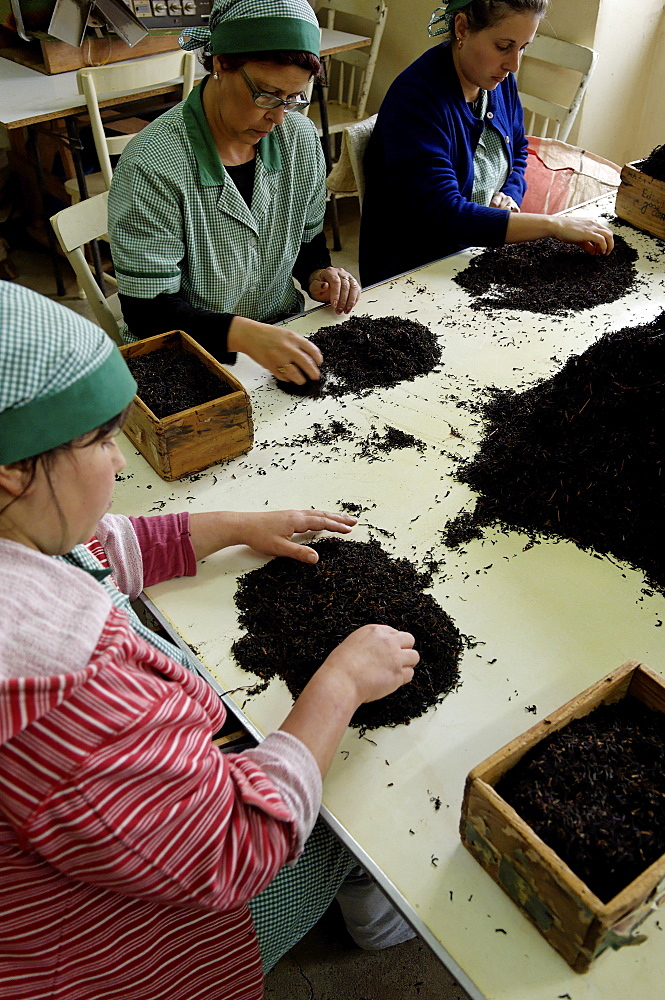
{"type": "Point", "coordinates": [367, 353]}
{"type": "Point", "coordinates": [296, 614]}
{"type": "Point", "coordinates": [547, 276]}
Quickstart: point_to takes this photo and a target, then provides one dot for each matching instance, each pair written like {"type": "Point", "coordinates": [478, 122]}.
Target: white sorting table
{"type": "Point", "coordinates": [549, 620]}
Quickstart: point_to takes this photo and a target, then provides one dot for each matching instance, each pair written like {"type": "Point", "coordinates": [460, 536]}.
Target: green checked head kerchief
{"type": "Point", "coordinates": [441, 20]}
{"type": "Point", "coordinates": [256, 26]}
{"type": "Point", "coordinates": [60, 375]}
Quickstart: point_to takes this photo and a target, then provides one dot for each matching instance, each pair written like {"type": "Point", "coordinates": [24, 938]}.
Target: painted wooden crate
{"type": "Point", "coordinates": [562, 907]}
{"type": "Point", "coordinates": [641, 200]}
{"type": "Point", "coordinates": [192, 439]}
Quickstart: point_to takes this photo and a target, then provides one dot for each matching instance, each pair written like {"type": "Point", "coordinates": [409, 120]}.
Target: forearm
{"type": "Point", "coordinates": [525, 226]}
{"type": "Point", "coordinates": [147, 317]}
{"type": "Point", "coordinates": [214, 530]}
{"type": "Point", "coordinates": [312, 256]}
{"type": "Point", "coordinates": [322, 713]}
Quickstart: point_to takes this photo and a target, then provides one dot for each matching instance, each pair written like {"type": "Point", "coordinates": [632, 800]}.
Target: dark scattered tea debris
{"type": "Point", "coordinates": [460, 530]}
{"type": "Point", "coordinates": [392, 439]}
{"type": "Point", "coordinates": [366, 353]}
{"type": "Point", "coordinates": [372, 445]}
{"type": "Point", "coordinates": [654, 165]}
{"type": "Point", "coordinates": [170, 380]}
{"type": "Point", "coordinates": [295, 614]}
{"type": "Point", "coordinates": [595, 792]}
{"type": "Point", "coordinates": [580, 455]}
{"type": "Point", "coordinates": [547, 276]}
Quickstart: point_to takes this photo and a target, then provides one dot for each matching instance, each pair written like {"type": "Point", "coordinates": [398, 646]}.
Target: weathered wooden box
{"type": "Point", "coordinates": [641, 200]}
{"type": "Point", "coordinates": [192, 439]}
{"type": "Point", "coordinates": [562, 907]}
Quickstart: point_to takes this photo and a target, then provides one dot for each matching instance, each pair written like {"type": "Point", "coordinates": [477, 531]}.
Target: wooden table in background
{"type": "Point", "coordinates": [31, 104]}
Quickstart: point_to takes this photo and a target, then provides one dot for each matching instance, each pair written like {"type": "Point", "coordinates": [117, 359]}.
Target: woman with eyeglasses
{"type": "Point", "coordinates": [218, 204]}
{"type": "Point", "coordinates": [445, 165]}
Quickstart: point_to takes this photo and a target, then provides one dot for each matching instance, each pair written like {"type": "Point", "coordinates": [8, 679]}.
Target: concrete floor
{"type": "Point", "coordinates": [326, 964]}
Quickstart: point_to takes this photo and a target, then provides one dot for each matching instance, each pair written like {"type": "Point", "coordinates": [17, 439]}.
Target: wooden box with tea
{"type": "Point", "coordinates": [191, 439]}
{"type": "Point", "coordinates": [570, 915]}
{"type": "Point", "coordinates": [641, 200]}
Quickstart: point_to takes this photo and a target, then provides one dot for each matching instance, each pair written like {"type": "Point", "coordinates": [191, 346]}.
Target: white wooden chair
{"type": "Point", "coordinates": [347, 176]}
{"type": "Point", "coordinates": [75, 226]}
{"type": "Point", "coordinates": [350, 73]}
{"type": "Point", "coordinates": [123, 78]}
{"type": "Point", "coordinates": [553, 67]}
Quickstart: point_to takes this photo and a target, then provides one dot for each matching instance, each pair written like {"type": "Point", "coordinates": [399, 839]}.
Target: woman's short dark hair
{"type": "Point", "coordinates": [482, 14]}
{"type": "Point", "coordinates": [233, 61]}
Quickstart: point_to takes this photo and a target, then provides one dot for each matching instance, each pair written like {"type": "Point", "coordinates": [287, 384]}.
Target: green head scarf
{"type": "Point", "coordinates": [60, 375]}
{"type": "Point", "coordinates": [256, 26]}
{"type": "Point", "coordinates": [440, 23]}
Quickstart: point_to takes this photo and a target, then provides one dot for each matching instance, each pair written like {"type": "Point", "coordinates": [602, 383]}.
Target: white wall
{"type": "Point", "coordinates": [404, 39]}
{"type": "Point", "coordinates": [623, 113]}
{"type": "Point", "coordinates": [623, 116]}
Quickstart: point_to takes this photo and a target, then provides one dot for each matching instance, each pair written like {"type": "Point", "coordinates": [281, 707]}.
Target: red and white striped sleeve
{"type": "Point", "coordinates": [135, 798]}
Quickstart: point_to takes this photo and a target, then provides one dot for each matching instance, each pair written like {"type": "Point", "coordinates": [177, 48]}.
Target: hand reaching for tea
{"type": "Point", "coordinates": [371, 663]}
{"type": "Point", "coordinates": [269, 532]}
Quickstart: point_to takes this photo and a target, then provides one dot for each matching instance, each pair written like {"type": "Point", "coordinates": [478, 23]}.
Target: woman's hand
{"type": "Point", "coordinates": [592, 235]}
{"type": "Point", "coordinates": [375, 660]}
{"type": "Point", "coordinates": [286, 354]}
{"type": "Point", "coordinates": [336, 286]}
{"type": "Point", "coordinates": [371, 663]}
{"type": "Point", "coordinates": [270, 532]}
{"type": "Point", "coordinates": [501, 200]}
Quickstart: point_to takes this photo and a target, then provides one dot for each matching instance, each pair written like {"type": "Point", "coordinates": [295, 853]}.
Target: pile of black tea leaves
{"type": "Point", "coordinates": [296, 613]}
{"type": "Point", "coordinates": [547, 276]}
{"type": "Point", "coordinates": [654, 165]}
{"type": "Point", "coordinates": [171, 379]}
{"type": "Point", "coordinates": [581, 454]}
{"type": "Point", "coordinates": [366, 353]}
{"type": "Point", "coordinates": [594, 792]}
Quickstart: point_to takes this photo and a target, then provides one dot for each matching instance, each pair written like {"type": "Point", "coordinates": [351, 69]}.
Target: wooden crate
{"type": "Point", "coordinates": [565, 911]}
{"type": "Point", "coordinates": [641, 200]}
{"type": "Point", "coordinates": [196, 438]}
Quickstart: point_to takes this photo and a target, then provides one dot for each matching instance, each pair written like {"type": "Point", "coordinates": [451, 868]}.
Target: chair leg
{"type": "Point", "coordinates": [335, 222]}
{"type": "Point", "coordinates": [50, 235]}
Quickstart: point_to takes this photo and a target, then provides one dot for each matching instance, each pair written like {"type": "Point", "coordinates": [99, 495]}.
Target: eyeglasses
{"type": "Point", "coordinates": [269, 101]}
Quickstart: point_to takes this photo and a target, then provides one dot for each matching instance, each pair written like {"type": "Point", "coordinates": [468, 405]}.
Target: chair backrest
{"type": "Point", "coordinates": [350, 73]}
{"type": "Point", "coordinates": [356, 137]}
{"type": "Point", "coordinates": [535, 84]}
{"type": "Point", "coordinates": [134, 75]}
{"type": "Point", "coordinates": [75, 226]}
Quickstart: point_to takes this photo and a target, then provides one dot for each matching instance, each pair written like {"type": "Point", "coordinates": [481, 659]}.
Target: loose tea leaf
{"type": "Point", "coordinates": [547, 276]}
{"type": "Point", "coordinates": [580, 455]}
{"type": "Point", "coordinates": [170, 380]}
{"type": "Point", "coordinates": [366, 353]}
{"type": "Point", "coordinates": [296, 613]}
{"type": "Point", "coordinates": [595, 792]}
{"type": "Point", "coordinates": [654, 165]}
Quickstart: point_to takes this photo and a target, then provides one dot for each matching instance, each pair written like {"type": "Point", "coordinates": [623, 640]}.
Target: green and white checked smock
{"type": "Point", "coordinates": [178, 224]}
{"type": "Point", "coordinates": [490, 162]}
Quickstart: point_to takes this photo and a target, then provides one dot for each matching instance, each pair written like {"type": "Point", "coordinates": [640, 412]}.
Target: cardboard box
{"type": "Point", "coordinates": [192, 439]}
{"type": "Point", "coordinates": [641, 200]}
{"type": "Point", "coordinates": [565, 911]}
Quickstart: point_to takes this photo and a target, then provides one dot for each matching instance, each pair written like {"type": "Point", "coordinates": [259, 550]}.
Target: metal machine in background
{"type": "Point", "coordinates": [131, 20]}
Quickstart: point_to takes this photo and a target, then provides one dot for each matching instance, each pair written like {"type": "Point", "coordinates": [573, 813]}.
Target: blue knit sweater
{"type": "Point", "coordinates": [419, 169]}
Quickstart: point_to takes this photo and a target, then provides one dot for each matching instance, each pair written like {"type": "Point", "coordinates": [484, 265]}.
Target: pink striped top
{"type": "Point", "coordinates": [129, 845]}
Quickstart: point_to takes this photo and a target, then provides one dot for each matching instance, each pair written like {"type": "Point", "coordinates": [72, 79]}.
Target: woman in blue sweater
{"type": "Point", "coordinates": [444, 168]}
